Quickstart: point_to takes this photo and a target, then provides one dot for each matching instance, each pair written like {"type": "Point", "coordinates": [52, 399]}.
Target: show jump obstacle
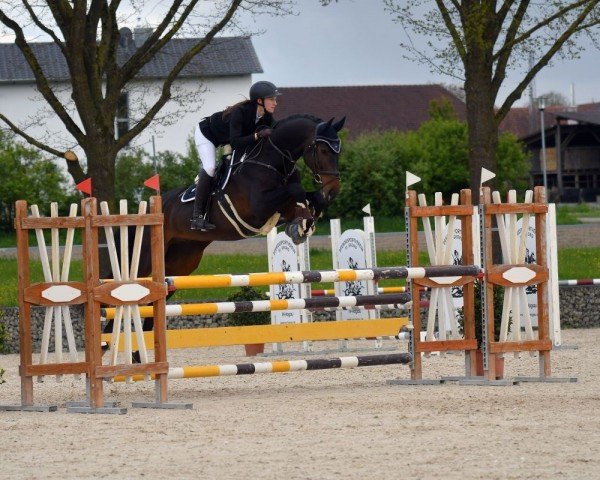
{"type": "Point", "coordinates": [514, 274]}
{"type": "Point", "coordinates": [57, 293]}
{"type": "Point", "coordinates": [453, 267]}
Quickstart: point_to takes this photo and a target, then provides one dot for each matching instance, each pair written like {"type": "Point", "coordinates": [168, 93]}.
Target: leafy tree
{"type": "Point", "coordinates": [134, 167]}
{"type": "Point", "coordinates": [481, 41]}
{"type": "Point", "coordinates": [26, 175]}
{"type": "Point", "coordinates": [373, 166]}
{"type": "Point", "coordinates": [552, 99]}
{"type": "Point", "coordinates": [87, 34]}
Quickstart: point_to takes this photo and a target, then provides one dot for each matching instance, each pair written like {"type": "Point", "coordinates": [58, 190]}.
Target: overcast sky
{"type": "Point", "coordinates": [355, 42]}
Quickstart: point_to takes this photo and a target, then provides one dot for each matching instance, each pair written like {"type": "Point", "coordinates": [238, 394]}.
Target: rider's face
{"type": "Point", "coordinates": [270, 103]}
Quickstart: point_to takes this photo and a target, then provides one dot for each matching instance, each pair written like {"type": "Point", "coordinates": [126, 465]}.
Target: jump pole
{"type": "Point", "coordinates": [317, 276]}
{"type": "Point", "coordinates": [282, 366]}
{"type": "Point", "coordinates": [268, 305]}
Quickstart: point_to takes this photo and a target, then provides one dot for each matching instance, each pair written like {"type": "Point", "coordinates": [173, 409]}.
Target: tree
{"type": "Point", "coordinates": [552, 99]}
{"type": "Point", "coordinates": [481, 41]}
{"type": "Point", "coordinates": [27, 175]}
{"type": "Point", "coordinates": [374, 165]}
{"type": "Point", "coordinates": [87, 34]}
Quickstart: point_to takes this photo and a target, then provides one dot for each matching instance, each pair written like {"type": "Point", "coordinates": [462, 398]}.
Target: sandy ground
{"type": "Point", "coordinates": [345, 424]}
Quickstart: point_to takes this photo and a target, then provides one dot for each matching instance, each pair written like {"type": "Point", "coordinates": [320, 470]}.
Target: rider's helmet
{"type": "Point", "coordinates": [263, 89]}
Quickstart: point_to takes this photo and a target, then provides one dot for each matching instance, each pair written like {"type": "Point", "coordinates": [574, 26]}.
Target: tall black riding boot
{"type": "Point", "coordinates": [203, 188]}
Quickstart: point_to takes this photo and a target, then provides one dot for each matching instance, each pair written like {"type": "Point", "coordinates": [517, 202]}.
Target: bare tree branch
{"type": "Point", "coordinates": [183, 61]}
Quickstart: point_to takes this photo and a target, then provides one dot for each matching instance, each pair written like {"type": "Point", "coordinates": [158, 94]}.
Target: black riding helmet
{"type": "Point", "coordinates": [263, 89]}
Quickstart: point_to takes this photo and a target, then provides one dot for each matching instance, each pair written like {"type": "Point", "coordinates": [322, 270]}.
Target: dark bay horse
{"type": "Point", "coordinates": [262, 190]}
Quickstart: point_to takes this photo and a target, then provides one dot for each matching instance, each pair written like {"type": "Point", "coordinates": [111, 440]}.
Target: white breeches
{"type": "Point", "coordinates": [206, 151]}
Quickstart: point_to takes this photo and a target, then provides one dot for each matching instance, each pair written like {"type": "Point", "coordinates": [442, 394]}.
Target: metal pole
{"type": "Point", "coordinates": [542, 106]}
{"type": "Point", "coordinates": [153, 154]}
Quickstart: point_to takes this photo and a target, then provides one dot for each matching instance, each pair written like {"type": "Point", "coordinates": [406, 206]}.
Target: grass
{"type": "Point", "coordinates": [565, 215]}
{"type": "Point", "coordinates": [573, 263]}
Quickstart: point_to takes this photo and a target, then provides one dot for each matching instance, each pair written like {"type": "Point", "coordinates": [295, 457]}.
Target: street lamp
{"type": "Point", "coordinates": [542, 107]}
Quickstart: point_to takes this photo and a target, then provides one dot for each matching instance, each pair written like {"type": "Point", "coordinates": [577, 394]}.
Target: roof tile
{"type": "Point", "coordinates": [223, 57]}
{"type": "Point", "coordinates": [369, 107]}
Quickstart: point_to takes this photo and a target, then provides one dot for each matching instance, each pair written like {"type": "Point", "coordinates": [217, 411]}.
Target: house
{"type": "Point", "coordinates": [218, 77]}
{"type": "Point", "coordinates": [368, 108]}
{"type": "Point", "coordinates": [572, 153]}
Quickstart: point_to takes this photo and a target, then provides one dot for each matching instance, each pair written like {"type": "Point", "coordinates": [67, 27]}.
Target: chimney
{"type": "Point", "coordinates": [125, 37]}
{"type": "Point", "coordinates": [141, 34]}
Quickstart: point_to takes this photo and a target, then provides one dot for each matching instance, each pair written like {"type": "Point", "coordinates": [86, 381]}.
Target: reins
{"type": "Point", "coordinates": [285, 155]}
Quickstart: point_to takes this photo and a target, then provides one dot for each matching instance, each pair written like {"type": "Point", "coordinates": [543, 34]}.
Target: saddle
{"type": "Point", "coordinates": [225, 169]}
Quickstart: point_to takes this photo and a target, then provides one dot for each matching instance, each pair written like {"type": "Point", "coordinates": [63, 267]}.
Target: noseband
{"type": "Point", "coordinates": [318, 171]}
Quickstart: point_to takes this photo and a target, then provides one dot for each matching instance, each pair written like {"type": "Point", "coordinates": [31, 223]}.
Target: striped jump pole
{"type": "Point", "coordinates": [281, 366]}
{"type": "Point", "coordinates": [380, 290]}
{"type": "Point", "coordinates": [316, 276]}
{"type": "Point", "coordinates": [579, 282]}
{"type": "Point", "coordinates": [269, 305]}
{"type": "Point", "coordinates": [389, 306]}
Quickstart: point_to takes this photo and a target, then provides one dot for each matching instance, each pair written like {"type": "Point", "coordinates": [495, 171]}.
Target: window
{"type": "Point", "coordinates": [568, 181]}
{"type": "Point", "coordinates": [586, 181]}
{"type": "Point", "coordinates": [122, 119]}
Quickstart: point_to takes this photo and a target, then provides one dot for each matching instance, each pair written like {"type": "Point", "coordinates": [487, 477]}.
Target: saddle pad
{"type": "Point", "coordinates": [189, 194]}
{"type": "Point", "coordinates": [223, 174]}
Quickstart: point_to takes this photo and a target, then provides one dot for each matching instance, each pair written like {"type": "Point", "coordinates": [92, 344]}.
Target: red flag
{"type": "Point", "coordinates": [85, 186]}
{"type": "Point", "coordinates": [153, 182]}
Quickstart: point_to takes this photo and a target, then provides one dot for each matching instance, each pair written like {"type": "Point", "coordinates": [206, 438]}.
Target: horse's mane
{"type": "Point", "coordinates": [297, 116]}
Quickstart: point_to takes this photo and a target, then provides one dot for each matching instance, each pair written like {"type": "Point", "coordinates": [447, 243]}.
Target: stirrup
{"type": "Point", "coordinates": [200, 223]}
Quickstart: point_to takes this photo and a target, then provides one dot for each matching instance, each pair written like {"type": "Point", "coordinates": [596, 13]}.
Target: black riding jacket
{"type": "Point", "coordinates": [237, 128]}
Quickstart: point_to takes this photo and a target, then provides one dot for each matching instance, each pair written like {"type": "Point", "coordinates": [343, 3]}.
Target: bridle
{"type": "Point", "coordinates": [318, 171]}
{"type": "Point", "coordinates": [334, 145]}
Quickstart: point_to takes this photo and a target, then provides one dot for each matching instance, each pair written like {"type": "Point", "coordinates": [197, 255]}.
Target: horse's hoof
{"type": "Point", "coordinates": [292, 231]}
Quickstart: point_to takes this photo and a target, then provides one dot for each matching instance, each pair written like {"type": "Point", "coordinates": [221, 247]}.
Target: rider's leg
{"type": "Point", "coordinates": [208, 153]}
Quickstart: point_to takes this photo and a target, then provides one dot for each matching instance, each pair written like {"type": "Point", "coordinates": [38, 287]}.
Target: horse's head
{"type": "Point", "coordinates": [318, 142]}
{"type": "Point", "coordinates": [321, 156]}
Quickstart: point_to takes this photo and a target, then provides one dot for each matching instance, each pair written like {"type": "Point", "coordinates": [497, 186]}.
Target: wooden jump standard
{"type": "Point", "coordinates": [60, 293]}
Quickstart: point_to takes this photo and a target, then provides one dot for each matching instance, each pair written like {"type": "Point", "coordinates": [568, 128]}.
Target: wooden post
{"type": "Point", "coordinates": [91, 272]}
{"type": "Point", "coordinates": [487, 304]}
{"type": "Point", "coordinates": [158, 276]}
{"type": "Point", "coordinates": [468, 258]}
{"type": "Point", "coordinates": [25, 347]}
{"type": "Point", "coordinates": [412, 230]}
{"type": "Point", "coordinates": [539, 196]}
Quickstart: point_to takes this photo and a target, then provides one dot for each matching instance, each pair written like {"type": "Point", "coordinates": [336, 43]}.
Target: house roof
{"type": "Point", "coordinates": [525, 123]}
{"type": "Point", "coordinates": [224, 56]}
{"type": "Point", "coordinates": [581, 117]}
{"type": "Point", "coordinates": [368, 108]}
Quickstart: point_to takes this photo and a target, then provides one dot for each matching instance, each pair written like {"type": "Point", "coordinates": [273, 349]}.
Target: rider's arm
{"type": "Point", "coordinates": [237, 139]}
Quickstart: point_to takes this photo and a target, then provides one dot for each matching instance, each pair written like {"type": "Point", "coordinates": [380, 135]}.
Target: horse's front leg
{"type": "Point", "coordinates": [293, 208]}
{"type": "Point", "coordinates": [301, 223]}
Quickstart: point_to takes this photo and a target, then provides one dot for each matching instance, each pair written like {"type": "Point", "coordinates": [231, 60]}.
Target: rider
{"type": "Point", "coordinates": [241, 126]}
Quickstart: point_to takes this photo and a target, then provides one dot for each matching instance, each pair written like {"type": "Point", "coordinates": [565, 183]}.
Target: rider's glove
{"type": "Point", "coordinates": [264, 133]}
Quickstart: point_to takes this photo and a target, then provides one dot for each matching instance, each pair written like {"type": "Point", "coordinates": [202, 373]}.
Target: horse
{"type": "Point", "coordinates": [262, 190]}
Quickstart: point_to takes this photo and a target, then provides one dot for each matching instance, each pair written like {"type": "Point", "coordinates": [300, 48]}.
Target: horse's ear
{"type": "Point", "coordinates": [339, 125]}
{"type": "Point", "coordinates": [328, 124]}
